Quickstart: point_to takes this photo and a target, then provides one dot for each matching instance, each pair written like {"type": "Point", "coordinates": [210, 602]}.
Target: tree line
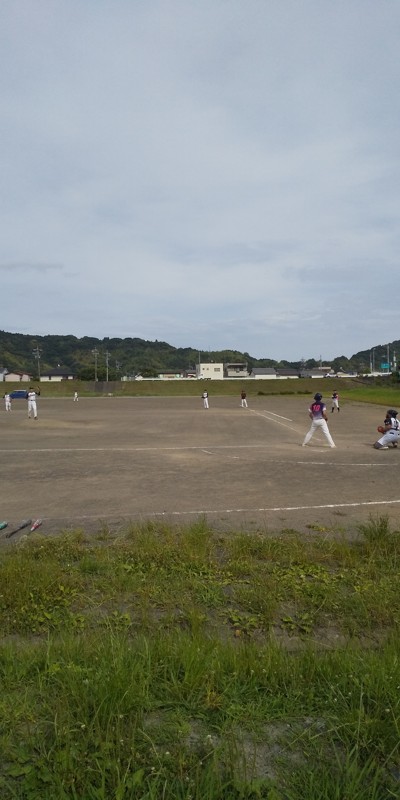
{"type": "Point", "coordinates": [115, 357]}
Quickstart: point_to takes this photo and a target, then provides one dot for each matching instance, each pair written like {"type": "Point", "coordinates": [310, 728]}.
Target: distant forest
{"type": "Point", "coordinates": [23, 352]}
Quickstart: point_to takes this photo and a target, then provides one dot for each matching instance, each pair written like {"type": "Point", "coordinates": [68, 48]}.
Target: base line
{"type": "Point", "coordinates": [275, 415]}
{"type": "Point", "coordinates": [260, 414]}
{"type": "Point", "coordinates": [205, 512]}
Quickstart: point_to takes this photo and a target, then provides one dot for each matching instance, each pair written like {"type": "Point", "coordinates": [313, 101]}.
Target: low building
{"type": "Point", "coordinates": [263, 373]}
{"type": "Point", "coordinates": [58, 374]}
{"type": "Point", "coordinates": [312, 373]}
{"type": "Point", "coordinates": [168, 376]}
{"type": "Point", "coordinates": [287, 373]}
{"type": "Point", "coordinates": [236, 370]}
{"type": "Point", "coordinates": [15, 377]}
{"type": "Point", "coordinates": [212, 372]}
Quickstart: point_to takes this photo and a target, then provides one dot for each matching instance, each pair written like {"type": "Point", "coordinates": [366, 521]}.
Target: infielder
{"type": "Point", "coordinates": [335, 401]}
{"type": "Point", "coordinates": [318, 415]}
{"type": "Point", "coordinates": [390, 430]}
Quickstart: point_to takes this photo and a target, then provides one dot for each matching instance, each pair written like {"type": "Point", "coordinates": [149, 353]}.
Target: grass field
{"type": "Point", "coordinates": [169, 662]}
{"type": "Point", "coordinates": [349, 389]}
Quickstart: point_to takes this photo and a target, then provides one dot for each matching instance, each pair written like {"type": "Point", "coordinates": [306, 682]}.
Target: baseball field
{"type": "Point", "coordinates": [112, 460]}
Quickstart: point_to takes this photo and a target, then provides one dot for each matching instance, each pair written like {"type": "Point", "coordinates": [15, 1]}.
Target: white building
{"type": "Point", "coordinates": [214, 372]}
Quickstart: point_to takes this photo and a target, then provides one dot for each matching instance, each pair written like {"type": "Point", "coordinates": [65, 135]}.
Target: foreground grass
{"type": "Point", "coordinates": [182, 663]}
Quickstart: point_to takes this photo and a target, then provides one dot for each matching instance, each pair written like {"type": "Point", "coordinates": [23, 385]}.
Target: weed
{"type": "Point", "coordinates": [145, 666]}
{"type": "Point", "coordinates": [376, 530]}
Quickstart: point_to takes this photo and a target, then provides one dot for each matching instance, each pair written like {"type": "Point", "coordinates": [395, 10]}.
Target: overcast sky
{"type": "Point", "coordinates": [210, 173]}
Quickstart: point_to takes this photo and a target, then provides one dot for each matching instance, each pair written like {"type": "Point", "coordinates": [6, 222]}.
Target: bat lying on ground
{"type": "Point", "coordinates": [23, 525]}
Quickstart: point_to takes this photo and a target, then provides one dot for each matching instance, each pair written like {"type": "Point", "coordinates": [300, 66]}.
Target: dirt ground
{"type": "Point", "coordinates": [115, 460]}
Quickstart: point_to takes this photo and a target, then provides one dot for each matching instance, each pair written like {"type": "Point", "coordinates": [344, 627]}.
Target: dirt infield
{"type": "Point", "coordinates": [113, 460]}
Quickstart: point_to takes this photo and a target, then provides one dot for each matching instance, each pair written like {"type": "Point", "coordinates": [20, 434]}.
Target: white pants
{"type": "Point", "coordinates": [244, 403]}
{"type": "Point", "coordinates": [205, 401]}
{"type": "Point", "coordinates": [335, 403]}
{"type": "Point", "coordinates": [322, 425]}
{"type": "Point", "coordinates": [8, 405]}
{"type": "Point", "coordinates": [32, 407]}
{"type": "Point", "coordinates": [389, 437]}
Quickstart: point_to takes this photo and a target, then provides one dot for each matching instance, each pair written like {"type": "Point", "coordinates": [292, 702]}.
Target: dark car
{"type": "Point", "coordinates": [18, 393]}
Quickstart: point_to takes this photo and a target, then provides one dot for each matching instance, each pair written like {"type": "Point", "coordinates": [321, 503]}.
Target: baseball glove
{"type": "Point", "coordinates": [381, 429]}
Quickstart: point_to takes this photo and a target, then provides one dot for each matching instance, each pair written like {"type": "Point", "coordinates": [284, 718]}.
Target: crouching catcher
{"type": "Point", "coordinates": [390, 430]}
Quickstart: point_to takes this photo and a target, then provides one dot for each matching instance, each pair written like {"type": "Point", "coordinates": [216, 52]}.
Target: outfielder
{"type": "Point", "coordinates": [390, 430]}
{"type": "Point", "coordinates": [205, 398]}
{"type": "Point", "coordinates": [32, 406]}
{"type": "Point", "coordinates": [243, 399]}
{"type": "Point", "coordinates": [7, 401]}
{"type": "Point", "coordinates": [318, 415]}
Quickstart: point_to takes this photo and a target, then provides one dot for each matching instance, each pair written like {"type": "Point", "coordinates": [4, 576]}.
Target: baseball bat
{"type": "Point", "coordinates": [23, 525]}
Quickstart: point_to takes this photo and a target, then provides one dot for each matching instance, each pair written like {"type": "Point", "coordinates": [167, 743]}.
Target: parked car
{"type": "Point", "coordinates": [18, 393]}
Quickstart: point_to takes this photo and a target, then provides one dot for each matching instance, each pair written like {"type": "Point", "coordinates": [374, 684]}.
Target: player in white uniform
{"type": "Point", "coordinates": [318, 415]}
{"type": "Point", "coordinates": [335, 401]}
{"type": "Point", "coordinates": [243, 399]}
{"type": "Point", "coordinates": [32, 406]}
{"type": "Point", "coordinates": [391, 435]}
{"type": "Point", "coordinates": [205, 398]}
{"type": "Point", "coordinates": [7, 401]}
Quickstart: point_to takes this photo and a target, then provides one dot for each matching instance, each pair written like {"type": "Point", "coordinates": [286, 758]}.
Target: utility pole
{"type": "Point", "coordinates": [36, 353]}
{"type": "Point", "coordinates": [107, 357]}
{"type": "Point", "coordinates": [95, 353]}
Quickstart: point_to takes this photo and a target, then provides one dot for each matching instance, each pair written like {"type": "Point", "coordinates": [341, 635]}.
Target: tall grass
{"type": "Point", "coordinates": [183, 663]}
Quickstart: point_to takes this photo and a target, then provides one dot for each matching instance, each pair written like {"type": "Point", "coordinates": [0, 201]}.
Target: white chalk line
{"type": "Point", "coordinates": [259, 414]}
{"type": "Point", "coordinates": [274, 415]}
{"type": "Point", "coordinates": [113, 449]}
{"type": "Point", "coordinates": [215, 512]}
{"type": "Point", "coordinates": [201, 450]}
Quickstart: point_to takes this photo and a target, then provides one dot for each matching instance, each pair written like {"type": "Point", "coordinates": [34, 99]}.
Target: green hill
{"type": "Point", "coordinates": [132, 355]}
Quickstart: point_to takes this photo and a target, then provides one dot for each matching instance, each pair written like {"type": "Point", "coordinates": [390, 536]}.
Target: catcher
{"type": "Point", "coordinates": [390, 430]}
